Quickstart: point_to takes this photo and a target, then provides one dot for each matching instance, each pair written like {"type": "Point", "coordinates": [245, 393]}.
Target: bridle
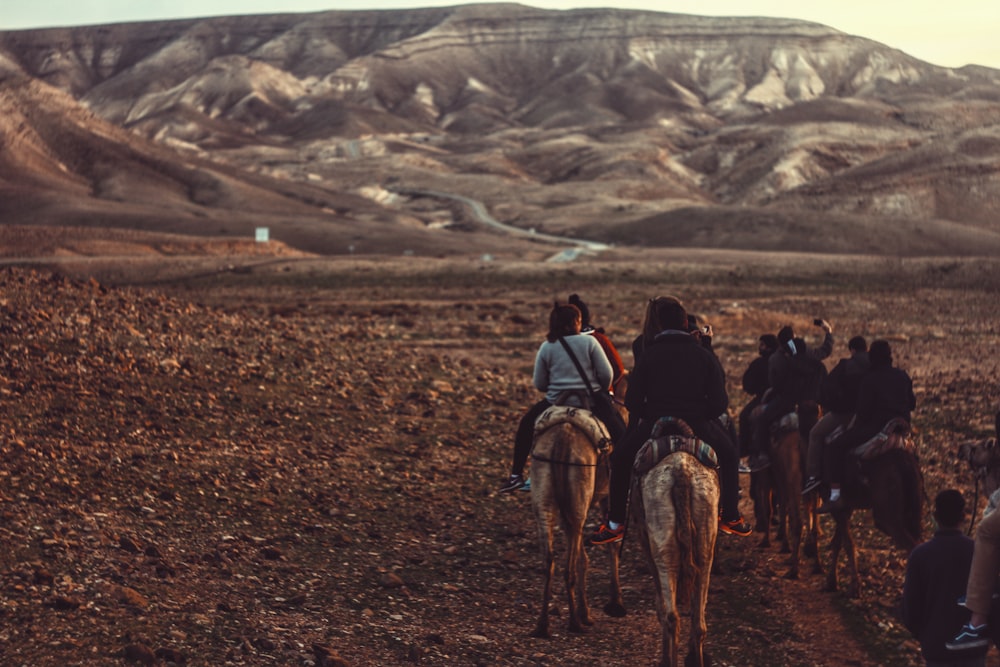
{"type": "Point", "coordinates": [981, 473]}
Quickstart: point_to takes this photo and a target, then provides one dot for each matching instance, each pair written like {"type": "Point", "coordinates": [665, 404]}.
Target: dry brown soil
{"type": "Point", "coordinates": [294, 461]}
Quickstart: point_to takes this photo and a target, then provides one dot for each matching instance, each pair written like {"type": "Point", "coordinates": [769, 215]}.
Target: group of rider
{"type": "Point", "coordinates": [677, 374]}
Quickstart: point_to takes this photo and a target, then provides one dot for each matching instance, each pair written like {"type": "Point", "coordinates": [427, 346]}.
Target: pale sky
{"type": "Point", "coordinates": [950, 34]}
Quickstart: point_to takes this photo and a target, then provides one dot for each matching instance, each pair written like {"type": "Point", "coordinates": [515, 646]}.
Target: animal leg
{"type": "Point", "coordinates": [616, 603]}
{"type": "Point", "coordinates": [835, 545]}
{"type": "Point", "coordinates": [548, 563]}
{"type": "Point", "coordinates": [854, 588]}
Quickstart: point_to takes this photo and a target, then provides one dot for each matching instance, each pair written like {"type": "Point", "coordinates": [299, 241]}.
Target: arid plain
{"type": "Point", "coordinates": [260, 459]}
{"type": "Point", "coordinates": [223, 451]}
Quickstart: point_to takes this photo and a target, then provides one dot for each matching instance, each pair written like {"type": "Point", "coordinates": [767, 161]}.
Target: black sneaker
{"type": "Point", "coordinates": [735, 527]}
{"type": "Point", "coordinates": [969, 638]}
{"type": "Point", "coordinates": [811, 485]}
{"type": "Point", "coordinates": [513, 483]}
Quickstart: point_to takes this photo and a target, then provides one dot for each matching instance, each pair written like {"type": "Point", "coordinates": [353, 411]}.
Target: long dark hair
{"type": "Point", "coordinates": [564, 320]}
{"type": "Point", "coordinates": [658, 310]}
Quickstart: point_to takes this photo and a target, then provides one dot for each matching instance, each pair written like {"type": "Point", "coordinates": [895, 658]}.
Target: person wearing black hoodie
{"type": "Point", "coordinates": [677, 377]}
{"type": "Point", "coordinates": [884, 394]}
{"type": "Point", "coordinates": [839, 398]}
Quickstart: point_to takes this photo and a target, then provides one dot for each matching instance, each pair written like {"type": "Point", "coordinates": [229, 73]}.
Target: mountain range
{"type": "Point", "coordinates": [342, 131]}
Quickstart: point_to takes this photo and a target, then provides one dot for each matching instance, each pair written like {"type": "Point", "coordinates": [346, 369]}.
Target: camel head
{"type": "Point", "coordinates": [983, 457]}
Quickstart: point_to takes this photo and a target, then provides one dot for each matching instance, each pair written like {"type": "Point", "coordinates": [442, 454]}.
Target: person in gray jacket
{"type": "Point", "coordinates": [556, 373]}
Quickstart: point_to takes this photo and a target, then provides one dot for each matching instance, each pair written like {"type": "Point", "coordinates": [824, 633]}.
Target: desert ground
{"type": "Point", "coordinates": [220, 455]}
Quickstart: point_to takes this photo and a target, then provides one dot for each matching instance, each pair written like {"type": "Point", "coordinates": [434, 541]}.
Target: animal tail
{"type": "Point", "coordinates": [685, 528]}
{"type": "Point", "coordinates": [913, 490]}
{"type": "Point", "coordinates": [898, 503]}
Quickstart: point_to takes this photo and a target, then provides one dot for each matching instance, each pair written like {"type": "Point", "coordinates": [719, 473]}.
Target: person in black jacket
{"type": "Point", "coordinates": [839, 397]}
{"type": "Point", "coordinates": [755, 383]}
{"type": "Point", "coordinates": [674, 376]}
{"type": "Point", "coordinates": [884, 394]}
{"type": "Point", "coordinates": [794, 373]}
{"type": "Point", "coordinates": [936, 574]}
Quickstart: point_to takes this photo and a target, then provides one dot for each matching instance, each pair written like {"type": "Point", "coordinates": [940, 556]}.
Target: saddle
{"type": "Point", "coordinates": [788, 423]}
{"type": "Point", "coordinates": [662, 444]}
{"type": "Point", "coordinates": [581, 418]}
{"type": "Point", "coordinates": [801, 419]}
{"type": "Point", "coordinates": [894, 435]}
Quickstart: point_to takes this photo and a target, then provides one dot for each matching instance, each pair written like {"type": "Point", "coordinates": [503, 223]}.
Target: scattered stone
{"type": "Point", "coordinates": [64, 603]}
{"type": "Point", "coordinates": [139, 654]}
{"type": "Point", "coordinates": [327, 657]}
{"type": "Point", "coordinates": [391, 580]}
{"type": "Point", "coordinates": [171, 655]}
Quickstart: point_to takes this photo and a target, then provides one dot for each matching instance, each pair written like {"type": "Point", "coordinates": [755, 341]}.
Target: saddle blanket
{"type": "Point", "coordinates": [895, 435]}
{"type": "Point", "coordinates": [584, 420]}
{"type": "Point", "coordinates": [656, 449]}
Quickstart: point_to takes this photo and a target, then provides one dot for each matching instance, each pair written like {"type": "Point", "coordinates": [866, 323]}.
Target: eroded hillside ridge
{"type": "Point", "coordinates": [388, 58]}
{"type": "Point", "coordinates": [625, 127]}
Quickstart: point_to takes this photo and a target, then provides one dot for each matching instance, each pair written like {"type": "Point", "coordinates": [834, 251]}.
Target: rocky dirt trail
{"type": "Point", "coordinates": [300, 470]}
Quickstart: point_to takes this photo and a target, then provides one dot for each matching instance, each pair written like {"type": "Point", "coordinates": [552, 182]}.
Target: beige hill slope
{"type": "Point", "coordinates": [629, 126]}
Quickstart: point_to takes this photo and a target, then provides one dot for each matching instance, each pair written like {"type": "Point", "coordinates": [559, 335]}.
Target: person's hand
{"type": "Point", "coordinates": [825, 326]}
{"type": "Point", "coordinates": [707, 331]}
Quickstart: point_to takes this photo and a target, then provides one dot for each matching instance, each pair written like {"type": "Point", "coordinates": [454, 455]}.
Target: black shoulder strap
{"type": "Point", "coordinates": [576, 363]}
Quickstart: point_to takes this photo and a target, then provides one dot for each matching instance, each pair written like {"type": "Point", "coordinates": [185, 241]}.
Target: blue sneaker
{"type": "Point", "coordinates": [970, 638]}
{"type": "Point", "coordinates": [527, 485]}
{"type": "Point", "coordinates": [513, 483]}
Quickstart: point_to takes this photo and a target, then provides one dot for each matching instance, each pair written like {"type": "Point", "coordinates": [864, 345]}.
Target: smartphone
{"type": "Point", "coordinates": [818, 322]}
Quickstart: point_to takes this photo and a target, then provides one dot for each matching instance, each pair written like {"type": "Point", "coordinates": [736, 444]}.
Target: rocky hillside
{"type": "Point", "coordinates": [606, 121]}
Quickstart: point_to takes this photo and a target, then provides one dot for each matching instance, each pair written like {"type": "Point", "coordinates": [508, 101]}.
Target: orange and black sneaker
{"type": "Point", "coordinates": [735, 527]}
{"type": "Point", "coordinates": [605, 535]}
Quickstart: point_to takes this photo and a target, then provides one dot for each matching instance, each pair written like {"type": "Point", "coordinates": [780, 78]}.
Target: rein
{"type": "Point", "coordinates": [975, 505]}
{"type": "Point", "coordinates": [565, 463]}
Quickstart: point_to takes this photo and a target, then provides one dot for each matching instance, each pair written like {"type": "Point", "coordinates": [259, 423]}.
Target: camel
{"type": "Point", "coordinates": [780, 486]}
{"type": "Point", "coordinates": [983, 457]}
{"type": "Point", "coordinates": [676, 504]}
{"type": "Point", "coordinates": [569, 475]}
{"type": "Point", "coordinates": [890, 483]}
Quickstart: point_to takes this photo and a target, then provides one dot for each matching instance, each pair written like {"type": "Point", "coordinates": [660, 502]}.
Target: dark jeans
{"type": "Point", "coordinates": [746, 427]}
{"type": "Point", "coordinates": [525, 436]}
{"type": "Point", "coordinates": [709, 430]}
{"type": "Point", "coordinates": [835, 453]}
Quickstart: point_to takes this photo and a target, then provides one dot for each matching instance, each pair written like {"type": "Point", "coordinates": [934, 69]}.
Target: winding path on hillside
{"type": "Point", "coordinates": [481, 214]}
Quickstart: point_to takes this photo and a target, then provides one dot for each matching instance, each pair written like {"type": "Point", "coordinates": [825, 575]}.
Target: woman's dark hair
{"type": "Point", "coordinates": [655, 311]}
{"type": "Point", "coordinates": [880, 354]}
{"type": "Point", "coordinates": [575, 300]}
{"type": "Point", "coordinates": [563, 321]}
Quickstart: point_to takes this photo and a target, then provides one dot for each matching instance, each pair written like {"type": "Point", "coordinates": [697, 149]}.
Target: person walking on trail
{"type": "Point", "coordinates": [556, 373]}
{"type": "Point", "coordinates": [936, 575]}
{"type": "Point", "coordinates": [885, 393]}
{"type": "Point", "coordinates": [588, 329]}
{"type": "Point", "coordinates": [793, 374]}
{"type": "Point", "coordinates": [839, 398]}
{"type": "Point", "coordinates": [677, 377]}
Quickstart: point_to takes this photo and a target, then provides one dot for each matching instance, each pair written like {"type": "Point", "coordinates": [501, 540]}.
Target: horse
{"type": "Point", "coordinates": [890, 483]}
{"type": "Point", "coordinates": [569, 475]}
{"type": "Point", "coordinates": [780, 486]}
{"type": "Point", "coordinates": [676, 507]}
